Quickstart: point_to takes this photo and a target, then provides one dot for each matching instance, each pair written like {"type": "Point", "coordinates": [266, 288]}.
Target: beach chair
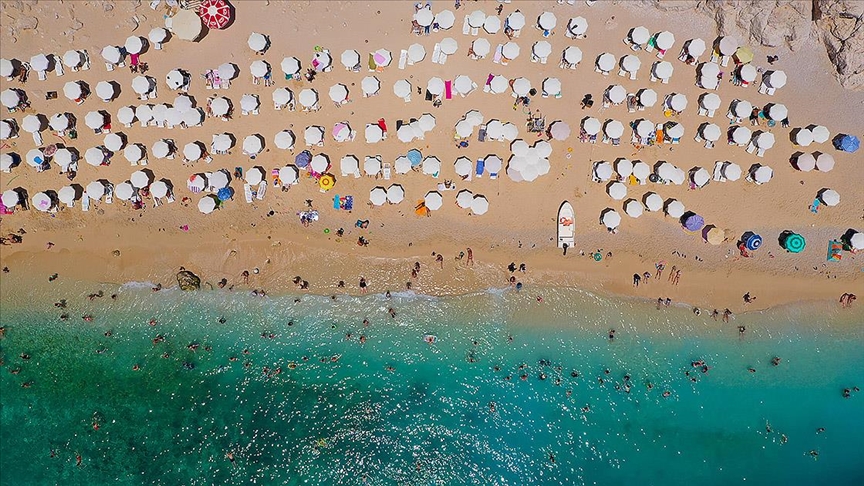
{"type": "Point", "coordinates": [442, 59]}
{"type": "Point", "coordinates": [709, 144]}
{"type": "Point", "coordinates": [85, 203]}
{"type": "Point", "coordinates": [37, 138]}
{"type": "Point", "coordinates": [760, 152]}
{"type": "Point", "coordinates": [703, 111]}
{"type": "Point", "coordinates": [436, 53]}
{"type": "Point", "coordinates": [109, 194]}
{"type": "Point", "coordinates": [247, 192]}
{"type": "Point", "coordinates": [479, 168]}
{"type": "Point", "coordinates": [262, 189]}
{"type": "Point", "coordinates": [751, 148]}
{"type": "Point", "coordinates": [170, 197]}
{"type": "Point", "coordinates": [85, 66]}
{"type": "Point", "coordinates": [724, 61]}
{"type": "Point", "coordinates": [466, 27]}
{"type": "Point", "coordinates": [42, 75]}
{"type": "Point", "coordinates": [711, 113]}
{"type": "Point", "coordinates": [255, 111]}
{"type": "Point", "coordinates": [386, 169]}
{"type": "Point", "coordinates": [109, 67]}
{"type": "Point", "coordinates": [498, 56]}
{"type": "Point", "coordinates": [58, 65]}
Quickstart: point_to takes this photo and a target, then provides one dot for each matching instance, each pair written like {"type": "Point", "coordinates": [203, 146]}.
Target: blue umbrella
{"type": "Point", "coordinates": [303, 159]}
{"type": "Point", "coordinates": [847, 143]}
{"type": "Point", "coordinates": [225, 194]}
{"type": "Point", "coordinates": [693, 222]}
{"type": "Point", "coordinates": [753, 242]}
{"type": "Point", "coordinates": [415, 157]}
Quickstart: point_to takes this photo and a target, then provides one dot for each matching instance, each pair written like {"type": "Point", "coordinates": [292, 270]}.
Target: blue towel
{"type": "Point", "coordinates": [336, 201]}
{"type": "Point", "coordinates": [481, 164]}
{"type": "Point", "coordinates": [349, 203]}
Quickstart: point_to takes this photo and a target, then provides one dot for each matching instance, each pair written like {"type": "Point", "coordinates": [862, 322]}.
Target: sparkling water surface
{"type": "Point", "coordinates": [398, 410]}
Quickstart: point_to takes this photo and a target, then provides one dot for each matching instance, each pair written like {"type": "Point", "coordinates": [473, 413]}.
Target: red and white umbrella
{"type": "Point", "coordinates": [215, 13]}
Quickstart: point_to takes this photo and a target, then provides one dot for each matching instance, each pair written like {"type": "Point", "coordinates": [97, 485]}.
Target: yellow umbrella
{"type": "Point", "coordinates": [744, 54]}
{"type": "Point", "coordinates": [326, 182]}
{"type": "Point", "coordinates": [714, 235]}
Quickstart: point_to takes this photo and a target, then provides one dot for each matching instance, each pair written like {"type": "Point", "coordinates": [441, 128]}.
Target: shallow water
{"type": "Point", "coordinates": [429, 420]}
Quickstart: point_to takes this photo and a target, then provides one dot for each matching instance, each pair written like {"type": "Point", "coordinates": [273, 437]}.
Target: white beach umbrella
{"type": "Point", "coordinates": [157, 35]}
{"type": "Point", "coordinates": [253, 144]}
{"type": "Point", "coordinates": [479, 205]}
{"type": "Point", "coordinates": [395, 194]}
{"type": "Point", "coordinates": [35, 157]}
{"type": "Point", "coordinates": [257, 42]}
{"type": "Point", "coordinates": [463, 166]}
{"type": "Point", "coordinates": [249, 102]}
{"type": "Point", "coordinates": [474, 117]}
{"type": "Point", "coordinates": [183, 103]}
{"type": "Point", "coordinates": [445, 19]}
{"type": "Point", "coordinates": [543, 148]}
{"type": "Point", "coordinates": [775, 79]}
{"type": "Point", "coordinates": [492, 24]}
{"type": "Point", "coordinates": [402, 88]}
{"type": "Point", "coordinates": [193, 117]}
{"type": "Point", "coordinates": [431, 165]}
{"type": "Point", "coordinates": [464, 129]}
{"type": "Point", "coordinates": [630, 63]}
{"type": "Point", "coordinates": [603, 171]}
{"type": "Point", "coordinates": [227, 71]}
{"type": "Point", "coordinates": [820, 134]}
{"type": "Point", "coordinates": [6, 161]}
{"type": "Point", "coordinates": [675, 130]}
{"type": "Point", "coordinates": [633, 208]}
{"type": "Point", "coordinates": [675, 208]}
{"type": "Point", "coordinates": [696, 47]}
{"type": "Point", "coordinates": [641, 170]}
{"type": "Point", "coordinates": [94, 156]}
{"type": "Point", "coordinates": [134, 44]}
{"type": "Point", "coordinates": [173, 117]}
{"type": "Point", "coordinates": [161, 149]}
{"type": "Point", "coordinates": [290, 65]}
{"type": "Point", "coordinates": [350, 58]}
{"type": "Point", "coordinates": [542, 49]}
{"type": "Point", "coordinates": [159, 189]}
{"type": "Point", "coordinates": [349, 165]}
{"type": "Point", "coordinates": [31, 124]}
{"type": "Point", "coordinates": [639, 35]}
{"type": "Point", "coordinates": [777, 111]}
{"type": "Point", "coordinates": [463, 84]}
{"type": "Point", "coordinates": [288, 175]}
{"type": "Point", "coordinates": [731, 171]}
{"type": "Point", "coordinates": [830, 197]}
{"type": "Point", "coordinates": [644, 128]}
{"type": "Point", "coordinates": [197, 181]}
{"type": "Point", "coordinates": [63, 157]}
{"type": "Point", "coordinates": [481, 47]}
{"type": "Point", "coordinates": [378, 196]}
{"type": "Point", "coordinates": [516, 20]}
{"type": "Point", "coordinates": [6, 68]}
{"type": "Point", "coordinates": [577, 26]}
{"type": "Point", "coordinates": [613, 129]}
{"type": "Point", "coordinates": [11, 98]}
{"type": "Point", "coordinates": [803, 137]}
{"type": "Point", "coordinates": [402, 165]}
{"type": "Point", "coordinates": [653, 202]}
{"type": "Point", "coordinates": [606, 62]}
{"type": "Point", "coordinates": [521, 86]}
{"type": "Point", "coordinates": [825, 162]}
{"type": "Point", "coordinates": [560, 130]}
{"type": "Point", "coordinates": [373, 133]}
{"type": "Point", "coordinates": [616, 93]}
{"type": "Point", "coordinates": [591, 125]}
{"type": "Point", "coordinates": [113, 142]}
{"type": "Point", "coordinates": [666, 171]}
{"type": "Point", "coordinates": [449, 46]}
{"type": "Point", "coordinates": [663, 69]}
{"type": "Point", "coordinates": [710, 101]}
{"type": "Point", "coordinates": [259, 68]}
{"type": "Point", "coordinates": [112, 54]}
{"type": "Point", "coordinates": [728, 45]}
{"type": "Point", "coordinates": [464, 199]}
{"type": "Point", "coordinates": [338, 93]}
{"type": "Point", "coordinates": [519, 148]}
{"type": "Point", "coordinates": [42, 201]}
{"type": "Point", "coordinates": [762, 173]}
{"type": "Point", "coordinates": [221, 142]}
{"type": "Point", "coordinates": [476, 19]}
{"type": "Point", "coordinates": [572, 55]}
{"type": "Point", "coordinates": [433, 200]}
{"type": "Point", "coordinates": [426, 122]}
{"type": "Point", "coordinates": [341, 132]}
{"type": "Point", "coordinates": [611, 219]}
{"type": "Point", "coordinates": [700, 176]}
{"type": "Point", "coordinates": [133, 153]}
{"type": "Point", "coordinates": [510, 50]}
{"type": "Point", "coordinates": [192, 151]}
{"type": "Point", "coordinates": [647, 97]}
{"type": "Point", "coordinates": [857, 240]}
{"type": "Point", "coordinates": [617, 191]}
{"type": "Point", "coordinates": [370, 85]}
{"type": "Point", "coordinates": [220, 106]}
{"type": "Point", "coordinates": [764, 140]}
{"type": "Point", "coordinates": [218, 180]}
{"type": "Point", "coordinates": [71, 90]}
{"type": "Point", "coordinates": [740, 108]}
{"type": "Point", "coordinates": [73, 59]}
{"type": "Point", "coordinates": [547, 21]}
{"type": "Point", "coordinates": [678, 102]}
{"type": "Point", "coordinates": [372, 166]}
{"type": "Point", "coordinates": [624, 167]}
{"type": "Point", "coordinates": [382, 57]}
{"type": "Point", "coordinates": [748, 73]}
{"type": "Point", "coordinates": [416, 53]}
{"type": "Point", "coordinates": [405, 133]}
{"type": "Point", "coordinates": [95, 190]}
{"type": "Point", "coordinates": [175, 79]}
{"type": "Point", "coordinates": [10, 198]}
{"type": "Point", "coordinates": [424, 17]}
{"type": "Point", "coordinates": [740, 135]}
{"type": "Point", "coordinates": [207, 204]}
{"type": "Point", "coordinates": [499, 84]}
{"type": "Point", "coordinates": [319, 163]}
{"type": "Point", "coordinates": [322, 60]}
{"type": "Point", "coordinates": [281, 96]}
{"type": "Point", "coordinates": [313, 135]}
{"type": "Point", "coordinates": [494, 129]}
{"type": "Point", "coordinates": [284, 140]}
{"type": "Point", "coordinates": [67, 195]}
{"type": "Point", "coordinates": [679, 176]}
{"type": "Point", "coordinates": [308, 97]}
{"type": "Point", "coordinates": [493, 164]}
{"type": "Point", "coordinates": [664, 40]}
{"type": "Point", "coordinates": [144, 113]}
{"type": "Point", "coordinates": [142, 84]}
{"type": "Point", "coordinates": [435, 86]}
{"type": "Point", "coordinates": [710, 132]}
{"type": "Point", "coordinates": [124, 191]}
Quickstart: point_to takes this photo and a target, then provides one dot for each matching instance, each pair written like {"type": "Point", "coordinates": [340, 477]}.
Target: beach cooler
{"type": "Point", "coordinates": [481, 166]}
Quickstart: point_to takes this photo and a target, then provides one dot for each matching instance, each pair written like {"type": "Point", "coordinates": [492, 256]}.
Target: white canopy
{"type": "Point", "coordinates": [308, 97]}
{"type": "Point", "coordinates": [10, 198]}
{"type": "Point", "coordinates": [765, 140]}
{"type": "Point", "coordinates": [160, 149]}
{"type": "Point", "coordinates": [416, 52]}
{"type": "Point", "coordinates": [71, 90]}
{"type": "Point", "coordinates": [663, 69]}
{"type": "Point", "coordinates": [319, 163]}
{"type": "Point", "coordinates": [6, 68]}
{"type": "Point", "coordinates": [113, 142]}
{"type": "Point", "coordinates": [31, 124]}
{"type": "Point", "coordinates": [159, 189]}
{"type": "Point", "coordinates": [547, 21]}
{"type": "Point", "coordinates": [11, 98]}
{"type": "Point", "coordinates": [624, 167]}
{"type": "Point", "coordinates": [510, 50]}
{"type": "Point", "coordinates": [424, 17]}
{"type": "Point", "coordinates": [395, 194]}
{"type": "Point", "coordinates": [481, 47]}
{"type": "Point", "coordinates": [207, 204]}
{"type": "Point", "coordinates": [284, 140]}
{"type": "Point", "coordinates": [653, 201]}
{"type": "Point", "coordinates": [857, 240]}
{"type": "Point", "coordinates": [775, 79]}
{"type": "Point", "coordinates": [157, 35]}
{"type": "Point", "coordinates": [728, 45]}
{"type": "Point", "coordinates": [95, 156]}
{"type": "Point", "coordinates": [591, 125]}
{"type": "Point", "coordinates": [644, 128]}
{"type": "Point", "coordinates": [259, 68]}
{"type": "Point", "coordinates": [741, 135]}
{"type": "Point", "coordinates": [372, 166]}
{"type": "Point", "coordinates": [322, 60]}
{"type": "Point", "coordinates": [426, 122]}
{"type": "Point", "coordinates": [134, 44]}
{"type": "Point", "coordinates": [633, 208]}
{"type": "Point", "coordinates": [144, 113]}
{"type": "Point", "coordinates": [577, 26]}
{"type": "Point", "coordinates": [639, 35]}
{"type": "Point", "coordinates": [139, 178]}
{"type": "Point", "coordinates": [521, 86]}
{"type": "Point", "coordinates": [762, 173]}
{"type": "Point", "coordinates": [449, 46]}
{"type": "Point", "coordinates": [647, 97]}
{"type": "Point", "coordinates": [73, 59]}
{"type": "Point", "coordinates": [183, 103]}
{"type": "Point", "coordinates": [350, 58]}
{"type": "Point", "coordinates": [435, 86]}
{"type": "Point", "coordinates": [95, 190]}
{"type": "Point", "coordinates": [405, 133]}
{"type": "Point", "coordinates": [175, 79]}
{"type": "Point", "coordinates": [313, 135]}
{"type": "Point", "coordinates": [253, 144]}
{"type": "Point", "coordinates": [445, 19]}
{"type": "Point", "coordinates": [710, 101]}
{"type": "Point", "coordinates": [62, 157]}
{"type": "Point", "coordinates": [349, 165]}
{"type": "Point", "coordinates": [803, 137]}
{"type": "Point", "coordinates": [433, 200]}
{"type": "Point", "coordinates": [281, 96]}
{"type": "Point", "coordinates": [741, 108]}
{"type": "Point", "coordinates": [111, 54]}
{"type": "Point", "coordinates": [479, 205]}
{"type": "Point", "coordinates": [830, 197]}
{"type": "Point", "coordinates": [464, 199]}
{"type": "Point", "coordinates": [675, 208]}
{"type": "Point", "coordinates": [617, 191]}
{"type": "Point", "coordinates": [560, 130]}
{"type": "Point", "coordinates": [67, 195]}
{"type": "Point", "coordinates": [824, 162]}
{"type": "Point", "coordinates": [805, 162]}
{"type": "Point", "coordinates": [610, 218]}
{"type": "Point", "coordinates": [382, 57]}
{"type": "Point", "coordinates": [606, 62]}
{"type": "Point", "coordinates": [464, 129]}
{"type": "Point", "coordinates": [373, 133]}
{"type": "Point", "coordinates": [613, 129]}
{"type": "Point", "coordinates": [499, 84]}
{"type": "Point", "coordinates": [290, 65]}
{"type": "Point", "coordinates": [630, 63]}
{"type": "Point", "coordinates": [463, 84]}
{"type": "Point", "coordinates": [731, 171]}
{"type": "Point", "coordinates": [402, 165]}
{"type": "Point", "coordinates": [820, 134]}
{"type": "Point", "coordinates": [603, 171]}
{"type": "Point", "coordinates": [249, 102]}
{"type": "Point", "coordinates": [664, 40]}
{"type": "Point", "coordinates": [288, 175]}
{"type": "Point", "coordinates": [748, 73]}
{"type": "Point", "coordinates": [700, 176]}
{"type": "Point", "coordinates": [641, 170]}
{"type": "Point", "coordinates": [696, 47]}
{"type": "Point", "coordinates": [572, 55]}
{"type": "Point", "coordinates": [142, 84]}
{"type": "Point", "coordinates": [777, 111]}
{"type": "Point", "coordinates": [616, 93]}
{"type": "Point", "coordinates": [431, 165]}
{"type": "Point", "coordinates": [370, 85]}
{"type": "Point", "coordinates": [126, 115]}
{"type": "Point", "coordinates": [6, 161]}
{"type": "Point", "coordinates": [227, 71]}
{"type": "Point", "coordinates": [192, 151]}
{"type": "Point", "coordinates": [675, 130]}
{"type": "Point", "coordinates": [378, 196]}
{"type": "Point", "coordinates": [257, 42]}
{"type": "Point", "coordinates": [542, 49]}
{"type": "Point", "coordinates": [710, 132]}
{"type": "Point", "coordinates": [338, 93]}
{"type": "Point", "coordinates": [492, 24]}
{"type": "Point", "coordinates": [218, 179]}
{"type": "Point", "coordinates": [463, 166]}
{"type": "Point", "coordinates": [402, 88]}
{"type": "Point", "coordinates": [476, 19]}
{"type": "Point", "coordinates": [516, 20]}
{"type": "Point", "coordinates": [493, 164]}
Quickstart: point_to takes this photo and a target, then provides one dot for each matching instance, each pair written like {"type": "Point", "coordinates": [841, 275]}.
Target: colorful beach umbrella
{"type": "Point", "coordinates": [847, 143]}
{"type": "Point", "coordinates": [215, 13]}
{"type": "Point", "coordinates": [792, 242]}
{"type": "Point", "coordinates": [752, 241]}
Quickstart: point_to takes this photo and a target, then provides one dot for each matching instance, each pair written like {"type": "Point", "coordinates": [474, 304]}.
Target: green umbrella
{"type": "Point", "coordinates": [794, 243]}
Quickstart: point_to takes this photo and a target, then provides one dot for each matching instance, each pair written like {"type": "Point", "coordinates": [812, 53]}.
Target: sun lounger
{"type": "Point", "coordinates": [262, 189]}
{"type": "Point", "coordinates": [480, 167]}
{"type": "Point", "coordinates": [85, 203]}
{"type": "Point", "coordinates": [466, 27]}
{"type": "Point", "coordinates": [386, 170]}
{"type": "Point", "coordinates": [442, 59]}
{"type": "Point", "coordinates": [247, 192]}
{"type": "Point", "coordinates": [403, 59]}
{"type": "Point", "coordinates": [498, 54]}
{"type": "Point", "coordinates": [109, 194]}
{"type": "Point", "coordinates": [58, 65]}
{"type": "Point", "coordinates": [42, 75]}
{"type": "Point", "coordinates": [170, 197]}
{"type": "Point", "coordinates": [436, 53]}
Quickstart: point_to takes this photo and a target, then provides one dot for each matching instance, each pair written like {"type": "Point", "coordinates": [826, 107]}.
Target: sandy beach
{"type": "Point", "coordinates": [113, 244]}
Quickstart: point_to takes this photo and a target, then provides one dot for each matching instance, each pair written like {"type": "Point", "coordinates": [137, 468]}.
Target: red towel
{"type": "Point", "coordinates": [133, 59]}
{"type": "Point", "coordinates": [382, 124]}
{"type": "Point", "coordinates": [448, 89]}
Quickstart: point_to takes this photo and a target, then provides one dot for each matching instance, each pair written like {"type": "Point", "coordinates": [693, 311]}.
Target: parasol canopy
{"type": "Point", "coordinates": [126, 115]}
{"type": "Point", "coordinates": [308, 98]}
{"type": "Point", "coordinates": [175, 79]}
{"type": "Point", "coordinates": [94, 120]}
{"type": "Point", "coordinates": [498, 84]}
{"type": "Point", "coordinates": [373, 133]}
{"type": "Point", "coordinates": [259, 68]}
{"type": "Point", "coordinates": [561, 130]}
{"type": "Point", "coordinates": [449, 46]}
{"type": "Point", "coordinates": [284, 140]}
{"type": "Point", "coordinates": [350, 58]}
{"type": "Point", "coordinates": [644, 128]}
{"type": "Point", "coordinates": [431, 165]}
{"type": "Point", "coordinates": [663, 69]}
{"type": "Point", "coordinates": [805, 162]}
{"type": "Point", "coordinates": [10, 198]}
{"type": "Point", "coordinates": [157, 35]}
{"type": "Point", "coordinates": [349, 165]}
{"type": "Point", "coordinates": [378, 196]}
{"type": "Point", "coordinates": [692, 221]}
{"type": "Point", "coordinates": [674, 208]}
{"type": "Point", "coordinates": [463, 84]}
{"type": "Point", "coordinates": [141, 84]}
{"type": "Point", "coordinates": [727, 45]}
{"type": "Point", "coordinates": [777, 111]}
{"type": "Point", "coordinates": [761, 173]}
{"type": "Point", "coordinates": [653, 201]}
{"type": "Point", "coordinates": [134, 44]}
{"type": "Point", "coordinates": [591, 125]}
{"type": "Point", "coordinates": [288, 175]}
{"type": "Point", "coordinates": [616, 93]}
{"type": "Point", "coordinates": [338, 93]}
{"type": "Point", "coordinates": [700, 176]}
{"type": "Point", "coordinates": [464, 199]}
{"type": "Point", "coordinates": [216, 14]}
{"type": "Point", "coordinates": [372, 166]}
{"type": "Point", "coordinates": [161, 149]}
{"type": "Point", "coordinates": [192, 151]}
{"type": "Point", "coordinates": [710, 101]}
{"type": "Point", "coordinates": [481, 47]}
{"type": "Point", "coordinates": [382, 57]}
{"type": "Point", "coordinates": [370, 85]}
{"type": "Point", "coordinates": [113, 142]}
{"type": "Point", "coordinates": [111, 54]}
{"type": "Point", "coordinates": [281, 96]}
{"type": "Point", "coordinates": [11, 98]}
{"type": "Point", "coordinates": [630, 63]}
{"type": "Point", "coordinates": [257, 42]}
{"type": "Point", "coordinates": [133, 153]}
{"type": "Point", "coordinates": [445, 19]}
{"type": "Point", "coordinates": [479, 205]}
{"type": "Point", "coordinates": [820, 134]}
{"type": "Point", "coordinates": [140, 178]}
{"type": "Point", "coordinates": [253, 144]}
{"type": "Point", "coordinates": [218, 179]}
{"type": "Point", "coordinates": [577, 26]}
{"type": "Point", "coordinates": [63, 157]}
{"type": "Point", "coordinates": [547, 21]}
{"type": "Point", "coordinates": [35, 157]}
{"type": "Point", "coordinates": [73, 59]}
{"type": "Point", "coordinates": [159, 189]}
{"type": "Point", "coordinates": [435, 86]}
{"type": "Point", "coordinates": [542, 49]}
{"type": "Point", "coordinates": [603, 171]}
{"type": "Point", "coordinates": [764, 140]}
{"type": "Point", "coordinates": [572, 55]}
{"type": "Point", "coordinates": [521, 86]}
{"type": "Point", "coordinates": [433, 200]}
{"type": "Point", "coordinates": [341, 132]}
{"type": "Point", "coordinates": [476, 19]}
{"type": "Point", "coordinates": [319, 163]}
{"type": "Point", "coordinates": [752, 241]}
{"type": "Point", "coordinates": [641, 170]}
{"type": "Point", "coordinates": [402, 164]}
{"type": "Point", "coordinates": [67, 195]}
{"type": "Point", "coordinates": [424, 17]}
{"type": "Point", "coordinates": [313, 135]}
{"type": "Point", "coordinates": [492, 24]}
{"type": "Point", "coordinates": [853, 238]}
{"type": "Point", "coordinates": [675, 130]}
{"type": "Point", "coordinates": [802, 137]}
{"type": "Point", "coordinates": [824, 162]}
{"type": "Point", "coordinates": [664, 40]}
{"type": "Point", "coordinates": [639, 35]}
{"type": "Point", "coordinates": [606, 62]}
{"type": "Point", "coordinates": [613, 129]}
{"type": "Point", "coordinates": [72, 90]}
{"type": "Point", "coordinates": [847, 143]}
{"type": "Point", "coordinates": [186, 25]}
{"type": "Point", "coordinates": [416, 53]}
{"type": "Point", "coordinates": [740, 135]}
{"type": "Point", "coordinates": [747, 73]}
{"type": "Point", "coordinates": [647, 97]}
{"type": "Point", "coordinates": [395, 194]}
{"type": "Point", "coordinates": [95, 190]}
{"type": "Point", "coordinates": [696, 47]}
{"type": "Point", "coordinates": [31, 124]}
{"type": "Point", "coordinates": [617, 191]}
{"type": "Point", "coordinates": [633, 208]}
{"type": "Point", "coordinates": [402, 88]}
{"type": "Point", "coordinates": [710, 132]}
{"type": "Point", "coordinates": [249, 102]}
{"type": "Point", "coordinates": [463, 166]}
{"type": "Point", "coordinates": [713, 235]}
{"type": "Point", "coordinates": [321, 60]}
{"type": "Point", "coordinates": [610, 218]}
{"type": "Point", "coordinates": [775, 79]}
{"type": "Point", "coordinates": [830, 197]}
{"type": "Point", "coordinates": [510, 50]}
{"type": "Point", "coordinates": [290, 66]}
{"type": "Point", "coordinates": [208, 204]}
{"type": "Point", "coordinates": [792, 242]}
{"type": "Point", "coordinates": [624, 167]}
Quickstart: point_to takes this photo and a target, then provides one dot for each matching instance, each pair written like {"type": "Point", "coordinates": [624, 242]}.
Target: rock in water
{"type": "Point", "coordinates": [188, 280]}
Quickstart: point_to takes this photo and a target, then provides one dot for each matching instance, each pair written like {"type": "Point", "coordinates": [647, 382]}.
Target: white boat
{"type": "Point", "coordinates": [566, 225]}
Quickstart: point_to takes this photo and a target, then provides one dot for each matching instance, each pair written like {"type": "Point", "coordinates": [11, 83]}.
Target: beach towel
{"type": "Point", "coordinates": [349, 203]}
{"type": "Point", "coordinates": [835, 251]}
{"type": "Point", "coordinates": [403, 59]}
{"type": "Point", "coordinates": [262, 189]}
{"type": "Point", "coordinates": [337, 203]}
{"type": "Point", "coordinates": [448, 89]}
{"type": "Point", "coordinates": [481, 165]}
{"type": "Point", "coordinates": [247, 192]}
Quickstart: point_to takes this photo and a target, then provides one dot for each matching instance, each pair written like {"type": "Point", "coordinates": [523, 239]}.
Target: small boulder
{"type": "Point", "coordinates": [188, 280]}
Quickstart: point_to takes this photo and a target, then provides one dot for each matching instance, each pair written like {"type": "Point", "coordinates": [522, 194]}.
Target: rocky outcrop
{"type": "Point", "coordinates": [188, 280]}
{"type": "Point", "coordinates": [841, 25]}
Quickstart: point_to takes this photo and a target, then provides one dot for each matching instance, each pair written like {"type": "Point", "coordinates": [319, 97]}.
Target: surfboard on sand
{"type": "Point", "coordinates": [566, 225]}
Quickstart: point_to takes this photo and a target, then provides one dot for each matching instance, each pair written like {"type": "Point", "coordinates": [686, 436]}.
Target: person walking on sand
{"type": "Point", "coordinates": [672, 274]}
{"type": "Point", "coordinates": [470, 257]}
{"type": "Point", "coordinates": [362, 285]}
{"type": "Point", "coordinates": [677, 277]}
{"type": "Point", "coordinates": [660, 266]}
{"type": "Point", "coordinates": [636, 279]}
{"type": "Point", "coordinates": [440, 259]}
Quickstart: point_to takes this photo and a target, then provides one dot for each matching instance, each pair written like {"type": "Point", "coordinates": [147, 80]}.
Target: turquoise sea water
{"type": "Point", "coordinates": [427, 419]}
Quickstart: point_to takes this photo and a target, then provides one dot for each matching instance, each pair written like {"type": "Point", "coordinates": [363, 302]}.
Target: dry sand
{"type": "Point", "coordinates": [520, 225]}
